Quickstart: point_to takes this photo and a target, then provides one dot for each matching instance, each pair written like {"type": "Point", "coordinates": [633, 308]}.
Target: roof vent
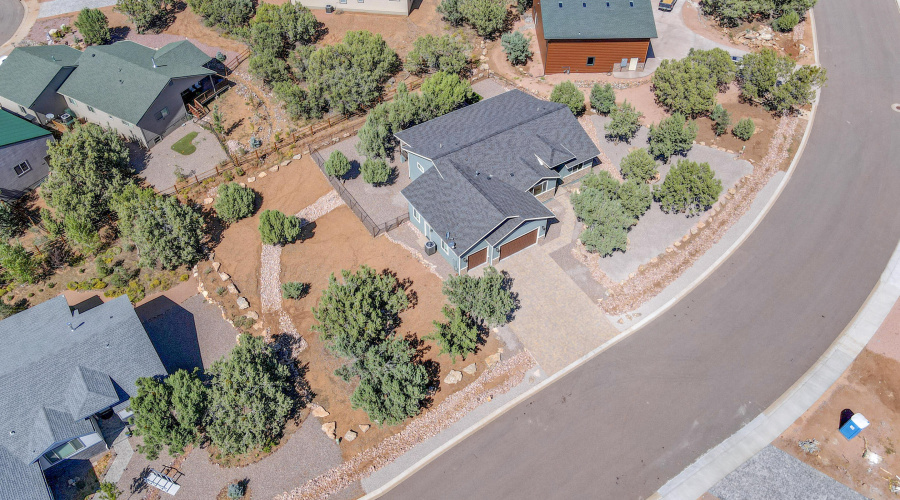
{"type": "Point", "coordinates": [153, 60]}
{"type": "Point", "coordinates": [584, 4]}
{"type": "Point", "coordinates": [477, 173]}
{"type": "Point", "coordinates": [12, 433]}
{"type": "Point", "coordinates": [53, 58]}
{"type": "Point", "coordinates": [607, 5]}
{"type": "Point", "coordinates": [560, 5]}
{"type": "Point", "coordinates": [631, 4]}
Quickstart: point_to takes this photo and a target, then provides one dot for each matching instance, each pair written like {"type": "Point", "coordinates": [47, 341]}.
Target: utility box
{"type": "Point", "coordinates": [854, 426]}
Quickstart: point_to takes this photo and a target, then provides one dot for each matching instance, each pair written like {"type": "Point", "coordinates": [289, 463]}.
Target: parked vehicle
{"type": "Point", "coordinates": [667, 5]}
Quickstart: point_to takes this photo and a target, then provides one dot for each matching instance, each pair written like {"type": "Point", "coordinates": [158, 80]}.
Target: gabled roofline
{"type": "Point", "coordinates": [520, 225]}
{"type": "Point", "coordinates": [479, 240]}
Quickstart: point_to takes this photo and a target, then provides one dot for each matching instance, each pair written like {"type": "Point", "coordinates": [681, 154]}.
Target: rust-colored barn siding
{"type": "Point", "coordinates": [557, 55]}
{"type": "Point", "coordinates": [573, 54]}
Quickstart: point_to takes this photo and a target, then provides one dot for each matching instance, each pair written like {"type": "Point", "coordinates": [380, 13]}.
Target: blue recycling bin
{"type": "Point", "coordinates": [854, 426]}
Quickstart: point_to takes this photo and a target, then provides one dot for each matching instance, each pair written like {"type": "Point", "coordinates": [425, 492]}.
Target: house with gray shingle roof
{"type": "Point", "coordinates": [593, 36]}
{"type": "Point", "coordinates": [481, 174]}
{"type": "Point", "coordinates": [30, 77]}
{"type": "Point", "coordinates": [23, 155]}
{"type": "Point", "coordinates": [62, 371]}
{"type": "Point", "coordinates": [135, 90]}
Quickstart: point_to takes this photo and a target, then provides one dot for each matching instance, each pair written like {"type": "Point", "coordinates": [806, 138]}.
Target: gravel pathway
{"type": "Point", "coordinates": [57, 7]}
{"type": "Point", "coordinates": [270, 265]}
{"type": "Point", "coordinates": [421, 428]}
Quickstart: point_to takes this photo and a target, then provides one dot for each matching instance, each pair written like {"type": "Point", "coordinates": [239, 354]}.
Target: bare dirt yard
{"type": "Point", "coordinates": [870, 386]}
{"type": "Point", "coordinates": [335, 241]}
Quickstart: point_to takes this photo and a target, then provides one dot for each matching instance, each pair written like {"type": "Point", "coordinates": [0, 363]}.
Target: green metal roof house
{"type": "Point", "coordinates": [23, 155]}
{"type": "Point", "coordinates": [135, 90]}
{"type": "Point", "coordinates": [30, 77]}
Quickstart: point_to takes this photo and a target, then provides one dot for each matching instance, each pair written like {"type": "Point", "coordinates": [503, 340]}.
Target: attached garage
{"type": "Point", "coordinates": [520, 243]}
{"type": "Point", "coordinates": [478, 258]}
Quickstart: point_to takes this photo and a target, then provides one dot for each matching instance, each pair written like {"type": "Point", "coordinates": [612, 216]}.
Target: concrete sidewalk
{"type": "Point", "coordinates": [718, 462]}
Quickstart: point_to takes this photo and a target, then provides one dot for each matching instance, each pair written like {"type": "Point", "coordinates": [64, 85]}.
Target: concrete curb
{"type": "Point", "coordinates": [32, 7]}
{"type": "Point", "coordinates": [634, 328]}
{"type": "Point", "coordinates": [720, 461]}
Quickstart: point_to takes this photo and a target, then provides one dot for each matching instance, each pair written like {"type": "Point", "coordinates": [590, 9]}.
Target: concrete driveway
{"type": "Point", "coordinates": [556, 321]}
{"type": "Point", "coordinates": [675, 39]}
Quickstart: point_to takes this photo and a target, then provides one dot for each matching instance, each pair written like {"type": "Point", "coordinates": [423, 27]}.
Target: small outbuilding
{"type": "Point", "coordinates": [593, 36]}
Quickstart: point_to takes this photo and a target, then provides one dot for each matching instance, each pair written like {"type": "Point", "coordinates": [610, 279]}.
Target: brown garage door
{"type": "Point", "coordinates": [478, 258]}
{"type": "Point", "coordinates": [524, 241]}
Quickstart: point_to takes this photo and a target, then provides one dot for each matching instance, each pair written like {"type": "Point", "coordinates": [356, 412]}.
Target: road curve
{"type": "Point", "coordinates": [634, 416]}
{"type": "Point", "coordinates": [11, 14]}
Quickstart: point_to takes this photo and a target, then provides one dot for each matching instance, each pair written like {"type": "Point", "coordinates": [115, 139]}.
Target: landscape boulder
{"type": "Point", "coordinates": [243, 303]}
{"type": "Point", "coordinates": [470, 370]}
{"type": "Point", "coordinates": [453, 377]}
{"type": "Point", "coordinates": [328, 428]}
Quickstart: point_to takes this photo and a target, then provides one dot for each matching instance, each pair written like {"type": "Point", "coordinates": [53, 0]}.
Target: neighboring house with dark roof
{"type": "Point", "coordinates": [593, 36]}
{"type": "Point", "coordinates": [61, 370]}
{"type": "Point", "coordinates": [135, 90]}
{"type": "Point", "coordinates": [30, 77]}
{"type": "Point", "coordinates": [23, 155]}
{"type": "Point", "coordinates": [480, 174]}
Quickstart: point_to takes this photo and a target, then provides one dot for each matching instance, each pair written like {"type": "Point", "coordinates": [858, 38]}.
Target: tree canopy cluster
{"type": "Point", "coordinates": [487, 299]}
{"type": "Point", "coordinates": [447, 53]}
{"type": "Point", "coordinates": [242, 405]}
{"type": "Point", "coordinates": [356, 317]}
{"type": "Point", "coordinates": [227, 15]}
{"type": "Point", "coordinates": [689, 86]}
{"type": "Point", "coordinates": [567, 93]}
{"type": "Point", "coordinates": [624, 123]}
{"type": "Point", "coordinates": [672, 136]}
{"type": "Point", "coordinates": [689, 187]}
{"type": "Point", "coordinates": [516, 46]}
{"type": "Point", "coordinates": [608, 210]}
{"type": "Point", "coordinates": [487, 17]}
{"type": "Point", "coordinates": [777, 82]}
{"type": "Point", "coordinates": [235, 202]}
{"type": "Point", "coordinates": [344, 77]}
{"type": "Point", "coordinates": [146, 15]}
{"type": "Point", "coordinates": [603, 98]}
{"type": "Point", "coordinates": [94, 26]}
{"type": "Point", "coordinates": [440, 94]}
{"type": "Point", "coordinates": [91, 183]}
{"type": "Point", "coordinates": [734, 12]}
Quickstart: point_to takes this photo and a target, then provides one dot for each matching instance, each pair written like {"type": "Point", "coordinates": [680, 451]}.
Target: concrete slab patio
{"type": "Point", "coordinates": [382, 203]}
{"type": "Point", "coordinates": [158, 164]}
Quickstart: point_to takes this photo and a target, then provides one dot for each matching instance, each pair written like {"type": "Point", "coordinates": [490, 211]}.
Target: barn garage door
{"type": "Point", "coordinates": [478, 258]}
{"type": "Point", "coordinates": [524, 241]}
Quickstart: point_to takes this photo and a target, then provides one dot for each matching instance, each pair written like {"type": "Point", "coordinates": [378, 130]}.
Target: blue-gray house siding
{"type": "Point", "coordinates": [418, 165]}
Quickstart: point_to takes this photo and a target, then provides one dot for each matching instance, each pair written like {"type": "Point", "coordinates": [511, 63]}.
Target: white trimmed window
{"type": "Point", "coordinates": [580, 166]}
{"type": "Point", "coordinates": [416, 216]}
{"type": "Point", "coordinates": [22, 168]}
{"type": "Point", "coordinates": [444, 247]}
{"type": "Point", "coordinates": [64, 451]}
{"type": "Point", "coordinates": [421, 168]}
{"type": "Point", "coordinates": [541, 188]}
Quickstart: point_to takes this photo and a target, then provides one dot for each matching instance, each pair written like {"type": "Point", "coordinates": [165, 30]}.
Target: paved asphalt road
{"type": "Point", "coordinates": [630, 419]}
{"type": "Point", "coordinates": [11, 14]}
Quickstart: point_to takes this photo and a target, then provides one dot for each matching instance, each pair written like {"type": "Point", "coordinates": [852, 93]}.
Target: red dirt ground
{"type": "Point", "coordinates": [870, 386]}
{"type": "Point", "coordinates": [336, 241]}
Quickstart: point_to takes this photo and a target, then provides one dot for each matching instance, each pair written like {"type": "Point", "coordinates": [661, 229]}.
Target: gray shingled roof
{"type": "Point", "coordinates": [593, 20]}
{"type": "Point", "coordinates": [19, 480]}
{"type": "Point", "coordinates": [120, 79]}
{"type": "Point", "coordinates": [28, 70]}
{"type": "Point", "coordinates": [51, 376]}
{"type": "Point", "coordinates": [486, 158]}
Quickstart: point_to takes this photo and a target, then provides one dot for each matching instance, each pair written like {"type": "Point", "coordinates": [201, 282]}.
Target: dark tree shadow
{"type": "Point", "coordinates": [87, 304]}
{"type": "Point", "coordinates": [286, 348]}
{"type": "Point", "coordinates": [119, 33]}
{"type": "Point", "coordinates": [234, 126]}
{"type": "Point", "coordinates": [354, 172]}
{"type": "Point", "coordinates": [508, 285]}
